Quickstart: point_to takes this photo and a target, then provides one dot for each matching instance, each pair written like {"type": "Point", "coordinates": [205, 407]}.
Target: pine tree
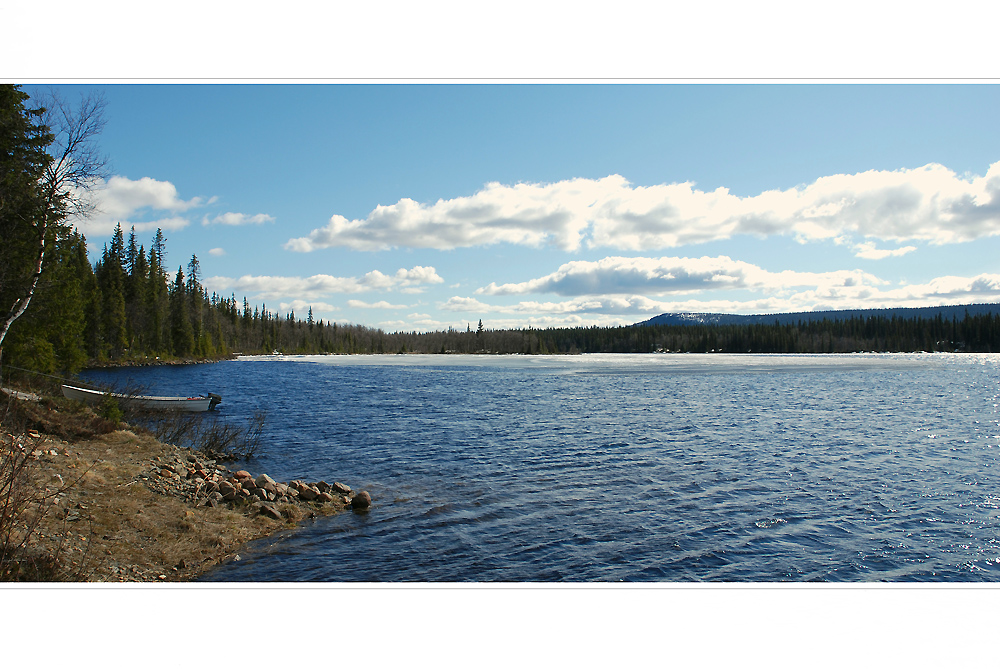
{"type": "Point", "coordinates": [24, 139]}
{"type": "Point", "coordinates": [195, 302]}
{"type": "Point", "coordinates": [111, 281]}
{"type": "Point", "coordinates": [181, 332]}
{"type": "Point", "coordinates": [157, 300]}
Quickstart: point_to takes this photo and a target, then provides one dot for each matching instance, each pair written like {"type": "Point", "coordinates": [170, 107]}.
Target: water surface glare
{"type": "Point", "coordinates": [620, 467]}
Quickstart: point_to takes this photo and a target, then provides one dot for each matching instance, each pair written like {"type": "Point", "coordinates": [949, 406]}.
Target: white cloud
{"type": "Point", "coordinates": [381, 304]}
{"type": "Point", "coordinates": [416, 322]}
{"type": "Point", "coordinates": [929, 203]}
{"type": "Point", "coordinates": [318, 285]}
{"type": "Point", "coordinates": [119, 199]}
{"type": "Point", "coordinates": [233, 218]}
{"type": "Point", "coordinates": [217, 252]}
{"type": "Point", "coordinates": [301, 307]}
{"type": "Point", "coordinates": [660, 276]}
{"type": "Point", "coordinates": [868, 251]}
{"type": "Point", "coordinates": [526, 214]}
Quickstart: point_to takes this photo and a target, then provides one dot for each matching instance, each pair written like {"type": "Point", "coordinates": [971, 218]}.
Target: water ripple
{"type": "Point", "coordinates": [627, 468]}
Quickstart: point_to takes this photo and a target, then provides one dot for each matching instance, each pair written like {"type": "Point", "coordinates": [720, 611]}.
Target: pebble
{"type": "Point", "coordinates": [203, 482]}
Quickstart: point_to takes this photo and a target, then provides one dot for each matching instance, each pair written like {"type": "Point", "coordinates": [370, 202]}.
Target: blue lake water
{"type": "Point", "coordinates": [616, 467]}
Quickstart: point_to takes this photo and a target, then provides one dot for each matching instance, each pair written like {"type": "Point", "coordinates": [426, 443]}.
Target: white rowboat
{"type": "Point", "coordinates": [201, 403]}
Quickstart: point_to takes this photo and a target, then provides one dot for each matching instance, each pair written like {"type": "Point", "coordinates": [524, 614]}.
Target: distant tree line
{"type": "Point", "coordinates": [128, 307]}
{"type": "Point", "coordinates": [978, 333]}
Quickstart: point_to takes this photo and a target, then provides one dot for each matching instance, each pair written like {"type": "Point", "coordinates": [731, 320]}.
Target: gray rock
{"type": "Point", "coordinates": [362, 500]}
{"type": "Point", "coordinates": [263, 480]}
{"type": "Point", "coordinates": [270, 511]}
{"type": "Point", "coordinates": [324, 497]}
{"type": "Point", "coordinates": [227, 490]}
{"type": "Point", "coordinates": [307, 493]}
{"type": "Point", "coordinates": [323, 486]}
{"type": "Point", "coordinates": [341, 488]}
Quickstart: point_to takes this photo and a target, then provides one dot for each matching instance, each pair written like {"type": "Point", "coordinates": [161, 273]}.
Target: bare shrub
{"type": "Point", "coordinates": [23, 503]}
{"type": "Point", "coordinates": [226, 441]}
{"type": "Point", "coordinates": [216, 438]}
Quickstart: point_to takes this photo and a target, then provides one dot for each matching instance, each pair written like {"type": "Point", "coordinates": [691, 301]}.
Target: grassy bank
{"type": "Point", "coordinates": [90, 502]}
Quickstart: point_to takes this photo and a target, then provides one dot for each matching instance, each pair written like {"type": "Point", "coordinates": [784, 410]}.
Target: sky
{"type": "Point", "coordinates": [414, 206]}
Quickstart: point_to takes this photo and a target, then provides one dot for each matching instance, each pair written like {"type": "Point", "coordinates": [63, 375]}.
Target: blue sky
{"type": "Point", "coordinates": [426, 206]}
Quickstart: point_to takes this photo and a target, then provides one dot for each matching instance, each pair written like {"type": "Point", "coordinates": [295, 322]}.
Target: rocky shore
{"type": "Point", "coordinates": [201, 481]}
{"type": "Point", "coordinates": [114, 505]}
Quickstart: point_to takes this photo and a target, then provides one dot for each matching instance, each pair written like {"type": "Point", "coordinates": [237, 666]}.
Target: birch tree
{"type": "Point", "coordinates": [49, 167]}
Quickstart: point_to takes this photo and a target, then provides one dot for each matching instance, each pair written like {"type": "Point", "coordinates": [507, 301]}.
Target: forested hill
{"type": "Point", "coordinates": [946, 312]}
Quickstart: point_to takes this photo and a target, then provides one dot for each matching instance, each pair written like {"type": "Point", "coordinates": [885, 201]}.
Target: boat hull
{"type": "Point", "coordinates": [194, 404]}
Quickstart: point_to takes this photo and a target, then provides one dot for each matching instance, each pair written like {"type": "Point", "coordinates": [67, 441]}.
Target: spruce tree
{"type": "Point", "coordinates": [181, 333]}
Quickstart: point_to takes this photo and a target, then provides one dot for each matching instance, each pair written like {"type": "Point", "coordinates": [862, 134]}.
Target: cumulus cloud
{"type": "Point", "coordinates": [659, 276]}
{"type": "Point", "coordinates": [929, 203]}
{"type": "Point", "coordinates": [120, 199]}
{"type": "Point", "coordinates": [525, 214]}
{"type": "Point", "coordinates": [381, 304]}
{"type": "Point", "coordinates": [233, 218]}
{"type": "Point", "coordinates": [217, 251]}
{"type": "Point", "coordinates": [868, 251]}
{"type": "Point", "coordinates": [318, 285]}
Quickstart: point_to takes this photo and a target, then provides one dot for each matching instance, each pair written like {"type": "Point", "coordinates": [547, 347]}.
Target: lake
{"type": "Point", "coordinates": [621, 467]}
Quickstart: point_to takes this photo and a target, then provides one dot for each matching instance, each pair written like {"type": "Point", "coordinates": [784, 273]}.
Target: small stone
{"type": "Point", "coordinates": [324, 497]}
{"type": "Point", "coordinates": [341, 488]}
{"type": "Point", "coordinates": [270, 511]}
{"type": "Point", "coordinates": [362, 500]}
{"type": "Point", "coordinates": [323, 486]}
{"type": "Point", "coordinates": [243, 474]}
{"type": "Point", "coordinates": [263, 480]}
{"type": "Point", "coordinates": [307, 493]}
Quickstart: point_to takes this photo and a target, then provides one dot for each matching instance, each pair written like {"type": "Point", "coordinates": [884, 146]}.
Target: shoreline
{"type": "Point", "coordinates": [117, 505]}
